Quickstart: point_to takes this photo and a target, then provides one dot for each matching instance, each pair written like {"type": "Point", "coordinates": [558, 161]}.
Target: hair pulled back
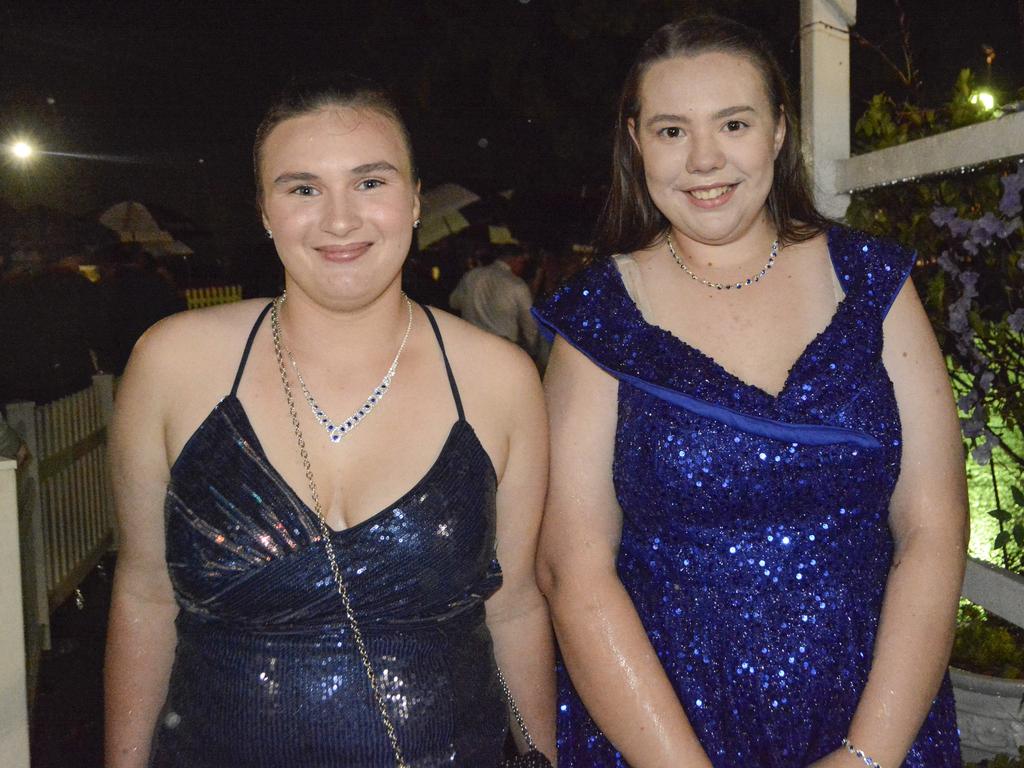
{"type": "Point", "coordinates": [308, 96]}
{"type": "Point", "coordinates": [630, 220]}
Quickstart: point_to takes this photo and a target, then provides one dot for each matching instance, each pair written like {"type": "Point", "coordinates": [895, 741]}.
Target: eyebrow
{"type": "Point", "coordinates": [722, 113]}
{"type": "Point", "coordinates": [287, 178]}
{"type": "Point", "coordinates": [381, 166]}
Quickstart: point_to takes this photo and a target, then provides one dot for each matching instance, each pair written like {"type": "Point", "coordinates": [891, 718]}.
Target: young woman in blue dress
{"type": "Point", "coordinates": [247, 499]}
{"type": "Point", "coordinates": [754, 537]}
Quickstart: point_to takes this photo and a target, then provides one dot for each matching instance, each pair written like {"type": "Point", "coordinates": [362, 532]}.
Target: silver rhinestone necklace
{"type": "Point", "coordinates": [337, 430]}
{"type": "Point", "coordinates": [755, 278]}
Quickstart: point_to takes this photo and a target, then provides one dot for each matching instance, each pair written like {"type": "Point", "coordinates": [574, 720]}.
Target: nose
{"type": "Point", "coordinates": [340, 214]}
{"type": "Point", "coordinates": [705, 155]}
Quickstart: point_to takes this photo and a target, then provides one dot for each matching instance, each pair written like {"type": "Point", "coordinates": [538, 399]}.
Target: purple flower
{"type": "Point", "coordinates": [959, 227]}
{"type": "Point", "coordinates": [1016, 320]}
{"type": "Point", "coordinates": [985, 382]}
{"type": "Point", "coordinates": [968, 401]}
{"type": "Point", "coordinates": [969, 280]}
{"type": "Point", "coordinates": [975, 425]}
{"type": "Point", "coordinates": [958, 315]}
{"type": "Point", "coordinates": [941, 216]}
{"type": "Point", "coordinates": [1009, 227]}
{"type": "Point", "coordinates": [1012, 185]}
{"type": "Point", "coordinates": [970, 247]}
{"type": "Point", "coordinates": [947, 263]}
{"type": "Point", "coordinates": [982, 453]}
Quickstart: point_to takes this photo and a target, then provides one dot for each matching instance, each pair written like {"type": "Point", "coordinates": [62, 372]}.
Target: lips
{"type": "Point", "coordinates": [710, 196]}
{"type": "Point", "coordinates": [343, 253]}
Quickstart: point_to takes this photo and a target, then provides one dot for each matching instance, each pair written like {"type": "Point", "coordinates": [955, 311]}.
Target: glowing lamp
{"type": "Point", "coordinates": [21, 150]}
{"type": "Point", "coordinates": [985, 99]}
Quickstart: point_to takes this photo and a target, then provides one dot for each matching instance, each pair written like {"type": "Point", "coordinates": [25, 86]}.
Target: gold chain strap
{"type": "Point", "coordinates": [325, 532]}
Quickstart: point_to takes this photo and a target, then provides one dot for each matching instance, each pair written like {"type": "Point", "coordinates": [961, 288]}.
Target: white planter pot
{"type": "Point", "coordinates": [989, 713]}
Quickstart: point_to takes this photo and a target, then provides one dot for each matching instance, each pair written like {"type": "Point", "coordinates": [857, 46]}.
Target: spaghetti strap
{"type": "Point", "coordinates": [447, 365]}
{"type": "Point", "coordinates": [248, 347]}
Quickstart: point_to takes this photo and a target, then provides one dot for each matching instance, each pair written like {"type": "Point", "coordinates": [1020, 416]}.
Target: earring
{"type": "Point", "coordinates": [416, 224]}
{"type": "Point", "coordinates": [270, 234]}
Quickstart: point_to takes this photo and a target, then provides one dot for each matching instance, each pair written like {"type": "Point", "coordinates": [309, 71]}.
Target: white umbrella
{"type": "Point", "coordinates": [440, 213]}
{"type": "Point", "coordinates": [134, 223]}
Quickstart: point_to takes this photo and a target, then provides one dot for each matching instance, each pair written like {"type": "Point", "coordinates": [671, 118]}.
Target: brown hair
{"type": "Point", "coordinates": [305, 97]}
{"type": "Point", "coordinates": [630, 220]}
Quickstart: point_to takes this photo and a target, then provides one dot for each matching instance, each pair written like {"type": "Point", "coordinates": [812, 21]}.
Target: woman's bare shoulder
{"type": "Point", "coordinates": [194, 343]}
{"type": "Point", "coordinates": [483, 355]}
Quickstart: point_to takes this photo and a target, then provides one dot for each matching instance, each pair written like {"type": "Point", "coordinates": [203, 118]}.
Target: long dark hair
{"type": "Point", "coordinates": [630, 220]}
{"type": "Point", "coordinates": [307, 96]}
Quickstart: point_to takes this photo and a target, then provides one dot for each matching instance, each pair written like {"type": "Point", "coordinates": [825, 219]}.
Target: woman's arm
{"type": "Point", "coordinates": [517, 614]}
{"type": "Point", "coordinates": [605, 647]}
{"type": "Point", "coordinates": [141, 636]}
{"type": "Point", "coordinates": [928, 519]}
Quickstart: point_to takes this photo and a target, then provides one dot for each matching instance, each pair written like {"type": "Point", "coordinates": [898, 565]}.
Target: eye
{"type": "Point", "coordinates": [671, 132]}
{"type": "Point", "coordinates": [305, 190]}
{"type": "Point", "coordinates": [368, 184]}
{"type": "Point", "coordinates": [735, 125]}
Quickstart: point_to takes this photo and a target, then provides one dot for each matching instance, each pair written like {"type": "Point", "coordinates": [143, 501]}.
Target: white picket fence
{"type": "Point", "coordinates": [56, 518]}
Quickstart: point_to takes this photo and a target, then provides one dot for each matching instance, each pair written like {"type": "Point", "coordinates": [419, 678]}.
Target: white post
{"type": "Point", "coordinates": [22, 417]}
{"type": "Point", "coordinates": [13, 703]}
{"type": "Point", "coordinates": [825, 96]}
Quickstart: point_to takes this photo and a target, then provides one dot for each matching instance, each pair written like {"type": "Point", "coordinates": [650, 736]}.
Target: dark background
{"type": "Point", "coordinates": [499, 94]}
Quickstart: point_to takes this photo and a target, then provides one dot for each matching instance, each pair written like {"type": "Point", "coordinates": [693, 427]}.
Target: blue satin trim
{"type": "Point", "coordinates": [805, 434]}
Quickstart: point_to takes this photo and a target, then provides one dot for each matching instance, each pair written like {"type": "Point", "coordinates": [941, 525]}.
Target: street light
{"type": "Point", "coordinates": [21, 150]}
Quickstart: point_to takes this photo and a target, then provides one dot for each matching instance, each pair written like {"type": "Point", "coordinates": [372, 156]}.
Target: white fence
{"type": "Point", "coordinates": [56, 517]}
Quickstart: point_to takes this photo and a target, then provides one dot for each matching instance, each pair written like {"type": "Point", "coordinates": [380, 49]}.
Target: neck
{"type": "Point", "coordinates": [753, 247]}
{"type": "Point", "coordinates": [369, 330]}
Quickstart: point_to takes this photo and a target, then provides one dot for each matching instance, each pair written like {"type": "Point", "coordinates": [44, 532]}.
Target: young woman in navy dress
{"type": "Point", "coordinates": [230, 642]}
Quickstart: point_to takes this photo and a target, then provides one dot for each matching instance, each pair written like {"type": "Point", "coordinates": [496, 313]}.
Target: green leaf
{"type": "Point", "coordinates": [999, 514]}
{"type": "Point", "coordinates": [1018, 534]}
{"type": "Point", "coordinates": [1001, 540]}
{"type": "Point", "coordinates": [1018, 495]}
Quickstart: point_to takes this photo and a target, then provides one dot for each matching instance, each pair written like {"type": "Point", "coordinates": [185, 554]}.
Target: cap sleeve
{"type": "Point", "coordinates": [871, 266]}
{"type": "Point", "coordinates": [594, 314]}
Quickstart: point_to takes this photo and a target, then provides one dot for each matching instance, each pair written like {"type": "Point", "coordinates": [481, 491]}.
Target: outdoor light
{"type": "Point", "coordinates": [21, 150]}
{"type": "Point", "coordinates": [985, 98]}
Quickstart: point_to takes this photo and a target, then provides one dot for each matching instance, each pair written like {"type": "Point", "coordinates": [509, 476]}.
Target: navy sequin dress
{"type": "Point", "coordinates": [755, 544]}
{"type": "Point", "coordinates": [266, 672]}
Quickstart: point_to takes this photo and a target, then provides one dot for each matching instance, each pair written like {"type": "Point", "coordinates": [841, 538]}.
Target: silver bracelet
{"type": "Point", "coordinates": [859, 754]}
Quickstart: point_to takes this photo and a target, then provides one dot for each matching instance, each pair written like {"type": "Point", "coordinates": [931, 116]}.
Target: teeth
{"type": "Point", "coordinates": [709, 194]}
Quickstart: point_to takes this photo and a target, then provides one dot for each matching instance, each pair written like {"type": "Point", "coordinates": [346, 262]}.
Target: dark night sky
{"type": "Point", "coordinates": [154, 87]}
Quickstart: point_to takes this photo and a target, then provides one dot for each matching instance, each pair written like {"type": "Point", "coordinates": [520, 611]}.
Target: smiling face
{"type": "Point", "coordinates": [708, 137]}
{"type": "Point", "coordinates": [339, 197]}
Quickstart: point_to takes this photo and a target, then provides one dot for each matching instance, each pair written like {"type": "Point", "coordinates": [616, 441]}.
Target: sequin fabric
{"type": "Point", "coordinates": [266, 672]}
{"type": "Point", "coordinates": [754, 543]}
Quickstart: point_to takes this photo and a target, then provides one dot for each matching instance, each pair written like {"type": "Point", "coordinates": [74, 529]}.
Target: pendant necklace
{"type": "Point", "coordinates": [337, 430]}
{"type": "Point", "coordinates": [755, 278]}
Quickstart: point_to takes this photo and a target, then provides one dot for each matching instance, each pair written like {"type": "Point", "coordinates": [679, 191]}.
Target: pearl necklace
{"type": "Point", "coordinates": [756, 278]}
{"type": "Point", "coordinates": [337, 430]}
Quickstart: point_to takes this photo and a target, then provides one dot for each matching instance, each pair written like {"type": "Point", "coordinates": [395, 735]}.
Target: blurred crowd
{"type": "Point", "coordinates": [62, 321]}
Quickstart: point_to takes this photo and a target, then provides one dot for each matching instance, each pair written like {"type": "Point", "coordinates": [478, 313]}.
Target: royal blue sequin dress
{"type": "Point", "coordinates": [754, 539]}
{"type": "Point", "coordinates": [266, 674]}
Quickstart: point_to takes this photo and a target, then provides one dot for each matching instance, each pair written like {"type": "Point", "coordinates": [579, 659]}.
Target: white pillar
{"type": "Point", "coordinates": [825, 95]}
{"type": "Point", "coordinates": [13, 703]}
{"type": "Point", "coordinates": [22, 417]}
